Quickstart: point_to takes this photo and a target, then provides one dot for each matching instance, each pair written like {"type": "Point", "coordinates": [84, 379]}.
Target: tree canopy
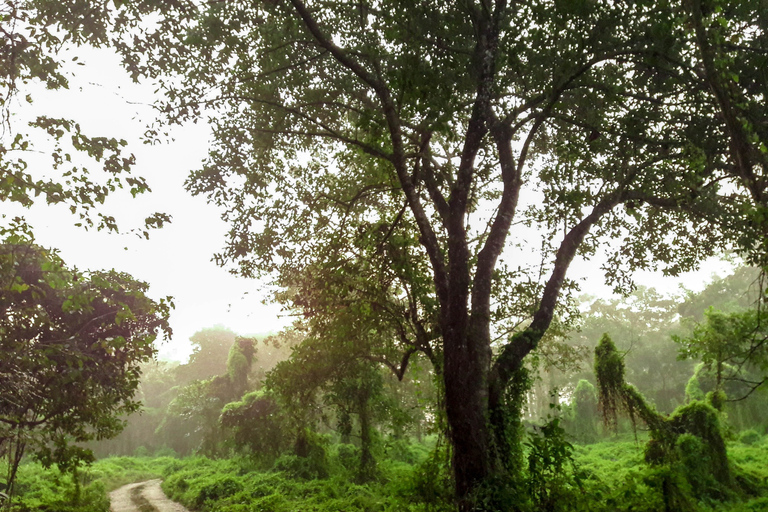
{"type": "Point", "coordinates": [47, 158]}
{"type": "Point", "coordinates": [210, 351]}
{"type": "Point", "coordinates": [466, 125]}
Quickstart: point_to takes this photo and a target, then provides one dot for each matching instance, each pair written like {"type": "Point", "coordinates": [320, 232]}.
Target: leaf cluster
{"type": "Point", "coordinates": [72, 344]}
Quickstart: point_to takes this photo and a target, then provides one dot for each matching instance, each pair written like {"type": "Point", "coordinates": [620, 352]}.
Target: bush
{"type": "Point", "coordinates": [348, 456]}
{"type": "Point", "coordinates": [749, 437]}
{"type": "Point", "coordinates": [49, 490]}
{"type": "Point", "coordinates": [300, 467]}
{"type": "Point", "coordinates": [218, 490]}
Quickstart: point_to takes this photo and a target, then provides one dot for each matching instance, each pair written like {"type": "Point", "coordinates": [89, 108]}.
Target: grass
{"type": "Point", "coordinates": [612, 474]}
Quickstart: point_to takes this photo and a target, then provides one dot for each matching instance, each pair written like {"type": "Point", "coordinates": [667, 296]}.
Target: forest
{"type": "Point", "coordinates": [420, 185]}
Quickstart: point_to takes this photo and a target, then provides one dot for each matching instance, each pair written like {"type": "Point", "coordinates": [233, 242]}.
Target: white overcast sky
{"type": "Point", "coordinates": [176, 260]}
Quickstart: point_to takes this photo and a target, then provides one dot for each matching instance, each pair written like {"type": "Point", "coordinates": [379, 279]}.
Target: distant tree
{"type": "Point", "coordinates": [733, 347]}
{"type": "Point", "coordinates": [210, 351]}
{"type": "Point", "coordinates": [191, 422]}
{"type": "Point", "coordinates": [239, 362]}
{"type": "Point", "coordinates": [156, 389]}
{"type": "Point", "coordinates": [71, 350]}
{"type": "Point", "coordinates": [735, 292]}
{"type": "Point", "coordinates": [691, 438]}
{"type": "Point", "coordinates": [341, 374]}
{"type": "Point", "coordinates": [257, 424]}
{"type": "Point", "coordinates": [583, 420]}
{"type": "Point", "coordinates": [193, 417]}
{"type": "Point", "coordinates": [640, 324]}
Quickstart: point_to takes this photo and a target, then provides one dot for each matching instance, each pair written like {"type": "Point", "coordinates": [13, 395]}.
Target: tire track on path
{"type": "Point", "coordinates": [142, 497]}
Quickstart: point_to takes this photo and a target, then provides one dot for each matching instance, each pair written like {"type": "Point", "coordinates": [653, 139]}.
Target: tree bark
{"type": "Point", "coordinates": [367, 462]}
{"type": "Point", "coordinates": [467, 361]}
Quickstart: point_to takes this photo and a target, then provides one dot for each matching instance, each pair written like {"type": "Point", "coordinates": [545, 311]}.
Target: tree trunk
{"type": "Point", "coordinates": [345, 426]}
{"type": "Point", "coordinates": [15, 454]}
{"type": "Point", "coordinates": [367, 462]}
{"type": "Point", "coordinates": [467, 364]}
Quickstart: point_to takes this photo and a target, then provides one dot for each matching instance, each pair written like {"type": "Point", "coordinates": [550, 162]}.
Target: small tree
{"type": "Point", "coordinates": [70, 353]}
{"type": "Point", "coordinates": [209, 354]}
{"type": "Point", "coordinates": [584, 412]}
{"type": "Point", "coordinates": [257, 425]}
{"type": "Point", "coordinates": [733, 346]}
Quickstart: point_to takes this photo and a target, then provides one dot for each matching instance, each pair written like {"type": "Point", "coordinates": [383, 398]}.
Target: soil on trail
{"type": "Point", "coordinates": [142, 497]}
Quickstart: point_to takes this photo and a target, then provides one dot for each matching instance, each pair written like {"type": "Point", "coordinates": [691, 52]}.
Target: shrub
{"type": "Point", "coordinates": [300, 467]}
{"type": "Point", "coordinates": [749, 437]}
{"type": "Point", "coordinates": [348, 456]}
{"type": "Point", "coordinates": [218, 490]}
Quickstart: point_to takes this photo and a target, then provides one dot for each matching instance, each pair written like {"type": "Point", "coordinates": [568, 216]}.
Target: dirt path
{"type": "Point", "coordinates": [142, 497]}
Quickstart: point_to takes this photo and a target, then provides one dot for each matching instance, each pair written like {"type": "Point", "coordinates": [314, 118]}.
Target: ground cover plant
{"type": "Point", "coordinates": [49, 489]}
{"type": "Point", "coordinates": [607, 476]}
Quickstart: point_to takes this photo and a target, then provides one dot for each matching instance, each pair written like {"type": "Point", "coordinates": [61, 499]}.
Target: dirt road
{"type": "Point", "coordinates": [142, 497]}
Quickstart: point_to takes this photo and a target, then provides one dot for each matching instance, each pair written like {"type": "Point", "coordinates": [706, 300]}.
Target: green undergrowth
{"type": "Point", "coordinates": [612, 477]}
{"type": "Point", "coordinates": [235, 485]}
{"type": "Point", "coordinates": [615, 478]}
{"type": "Point", "coordinates": [115, 472]}
{"type": "Point", "coordinates": [49, 490]}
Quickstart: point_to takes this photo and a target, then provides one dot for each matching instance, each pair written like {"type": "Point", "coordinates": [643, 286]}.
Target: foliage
{"type": "Point", "coordinates": [336, 366]}
{"type": "Point", "coordinates": [210, 350]}
{"type": "Point", "coordinates": [733, 293]}
{"type": "Point", "coordinates": [609, 372]}
{"type": "Point", "coordinates": [431, 480]}
{"type": "Point", "coordinates": [194, 414]}
{"type": "Point", "coordinates": [611, 474]}
{"type": "Point", "coordinates": [72, 345]}
{"type": "Point", "coordinates": [552, 479]}
{"type": "Point", "coordinates": [690, 438]}
{"type": "Point", "coordinates": [157, 427]}
{"type": "Point", "coordinates": [583, 419]}
{"type": "Point", "coordinates": [285, 489]}
{"type": "Point", "coordinates": [733, 346]}
{"type": "Point", "coordinates": [447, 127]}
{"type": "Point", "coordinates": [330, 118]}
{"type": "Point", "coordinates": [257, 424]}
{"type": "Point", "coordinates": [48, 489]}
{"type": "Point", "coordinates": [39, 46]}
{"type": "Point", "coordinates": [749, 437]}
{"type": "Point", "coordinates": [640, 325]}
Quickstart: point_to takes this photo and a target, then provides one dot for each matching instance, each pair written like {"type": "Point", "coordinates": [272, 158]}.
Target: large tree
{"type": "Point", "coordinates": [500, 128]}
{"type": "Point", "coordinates": [71, 346]}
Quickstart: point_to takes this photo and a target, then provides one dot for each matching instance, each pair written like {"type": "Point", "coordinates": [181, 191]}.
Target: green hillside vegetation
{"type": "Point", "coordinates": [314, 426]}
